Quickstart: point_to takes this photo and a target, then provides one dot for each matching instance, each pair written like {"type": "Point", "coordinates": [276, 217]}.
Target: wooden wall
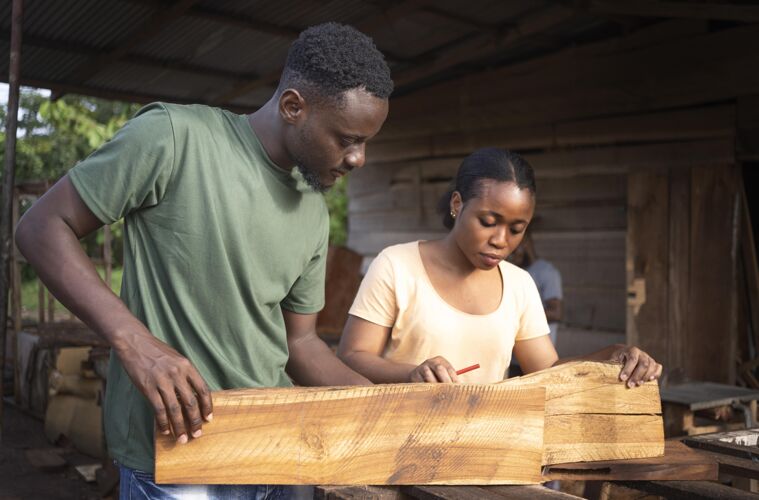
{"type": "Point", "coordinates": [588, 118]}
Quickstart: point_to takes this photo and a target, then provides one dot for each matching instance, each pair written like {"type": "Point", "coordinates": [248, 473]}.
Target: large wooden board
{"type": "Point", "coordinates": [678, 463]}
{"type": "Point", "coordinates": [591, 415]}
{"type": "Point", "coordinates": [384, 434]}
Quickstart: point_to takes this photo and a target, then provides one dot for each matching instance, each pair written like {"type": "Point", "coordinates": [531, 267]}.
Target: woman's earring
{"type": "Point", "coordinates": [453, 214]}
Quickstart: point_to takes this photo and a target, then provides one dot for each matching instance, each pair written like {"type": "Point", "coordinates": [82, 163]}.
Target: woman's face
{"type": "Point", "coordinates": [491, 226]}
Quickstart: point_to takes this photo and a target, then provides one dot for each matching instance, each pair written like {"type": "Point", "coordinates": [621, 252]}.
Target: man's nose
{"type": "Point", "coordinates": [357, 157]}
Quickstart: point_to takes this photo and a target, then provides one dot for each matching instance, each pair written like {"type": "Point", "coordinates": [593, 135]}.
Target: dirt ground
{"type": "Point", "coordinates": [19, 479]}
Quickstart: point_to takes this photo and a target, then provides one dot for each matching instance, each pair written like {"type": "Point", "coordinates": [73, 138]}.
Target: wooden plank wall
{"type": "Point", "coordinates": [660, 98]}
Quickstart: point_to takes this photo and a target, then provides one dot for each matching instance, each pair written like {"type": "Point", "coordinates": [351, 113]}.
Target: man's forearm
{"type": "Point", "coordinates": [313, 363]}
{"type": "Point", "coordinates": [52, 248]}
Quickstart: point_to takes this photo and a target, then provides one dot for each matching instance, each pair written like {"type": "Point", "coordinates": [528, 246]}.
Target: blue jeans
{"type": "Point", "coordinates": [137, 485]}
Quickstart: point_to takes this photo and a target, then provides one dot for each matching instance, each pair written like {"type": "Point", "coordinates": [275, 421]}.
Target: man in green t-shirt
{"type": "Point", "coordinates": [225, 245]}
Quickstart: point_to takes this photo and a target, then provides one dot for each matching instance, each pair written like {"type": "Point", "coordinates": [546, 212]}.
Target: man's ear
{"type": "Point", "coordinates": [292, 106]}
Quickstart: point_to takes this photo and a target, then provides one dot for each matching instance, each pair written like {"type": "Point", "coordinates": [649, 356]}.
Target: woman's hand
{"type": "Point", "coordinates": [436, 369]}
{"type": "Point", "coordinates": [639, 367]}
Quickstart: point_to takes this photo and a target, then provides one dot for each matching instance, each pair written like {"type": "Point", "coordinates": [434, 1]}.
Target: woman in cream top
{"type": "Point", "coordinates": [426, 309]}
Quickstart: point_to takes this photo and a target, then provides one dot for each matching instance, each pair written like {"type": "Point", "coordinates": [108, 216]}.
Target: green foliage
{"type": "Point", "coordinates": [337, 203]}
{"type": "Point", "coordinates": [54, 135]}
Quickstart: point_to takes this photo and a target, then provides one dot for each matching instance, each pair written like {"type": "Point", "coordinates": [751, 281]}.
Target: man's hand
{"type": "Point", "coordinates": [179, 395]}
{"type": "Point", "coordinates": [639, 367]}
{"type": "Point", "coordinates": [433, 370]}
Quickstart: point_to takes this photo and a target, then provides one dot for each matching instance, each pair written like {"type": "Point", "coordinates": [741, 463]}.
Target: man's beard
{"type": "Point", "coordinates": [311, 178]}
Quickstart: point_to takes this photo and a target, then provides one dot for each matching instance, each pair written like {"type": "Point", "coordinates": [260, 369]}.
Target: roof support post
{"type": "Point", "coordinates": [9, 174]}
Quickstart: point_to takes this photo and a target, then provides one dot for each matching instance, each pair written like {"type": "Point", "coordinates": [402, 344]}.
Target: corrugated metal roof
{"type": "Point", "coordinates": [216, 46]}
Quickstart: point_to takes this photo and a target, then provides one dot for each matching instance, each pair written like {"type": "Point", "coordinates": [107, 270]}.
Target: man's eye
{"type": "Point", "coordinates": [348, 141]}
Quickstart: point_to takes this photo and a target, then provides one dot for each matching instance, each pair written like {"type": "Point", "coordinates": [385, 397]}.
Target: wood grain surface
{"type": "Point", "coordinates": [591, 415]}
{"type": "Point", "coordinates": [383, 434]}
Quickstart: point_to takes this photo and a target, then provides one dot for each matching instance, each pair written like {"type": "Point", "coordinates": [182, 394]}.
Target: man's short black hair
{"type": "Point", "coordinates": [331, 58]}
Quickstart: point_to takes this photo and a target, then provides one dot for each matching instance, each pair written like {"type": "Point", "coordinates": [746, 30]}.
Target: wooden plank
{"type": "Point", "coordinates": [712, 302]}
{"type": "Point", "coordinates": [749, 260]}
{"type": "Point", "coordinates": [705, 395]}
{"type": "Point", "coordinates": [678, 463]}
{"type": "Point", "coordinates": [450, 493]}
{"type": "Point", "coordinates": [341, 284]}
{"type": "Point", "coordinates": [647, 271]}
{"type": "Point", "coordinates": [586, 82]}
{"type": "Point", "coordinates": [535, 492]}
{"type": "Point", "coordinates": [46, 459]}
{"type": "Point", "coordinates": [678, 278]}
{"type": "Point", "coordinates": [695, 10]}
{"type": "Point", "coordinates": [687, 124]}
{"type": "Point", "coordinates": [372, 242]}
{"type": "Point", "coordinates": [485, 45]}
{"type": "Point", "coordinates": [734, 466]}
{"type": "Point", "coordinates": [690, 490]}
{"type": "Point", "coordinates": [747, 124]}
{"type": "Point", "coordinates": [384, 434]}
{"type": "Point", "coordinates": [741, 443]}
{"type": "Point", "coordinates": [570, 218]}
{"type": "Point", "coordinates": [591, 415]}
{"type": "Point", "coordinates": [357, 492]}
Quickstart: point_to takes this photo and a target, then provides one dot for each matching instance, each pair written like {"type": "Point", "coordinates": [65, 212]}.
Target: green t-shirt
{"type": "Point", "coordinates": [218, 240]}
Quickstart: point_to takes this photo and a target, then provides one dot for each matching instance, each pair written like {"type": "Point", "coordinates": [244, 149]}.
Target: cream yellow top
{"type": "Point", "coordinates": [396, 292]}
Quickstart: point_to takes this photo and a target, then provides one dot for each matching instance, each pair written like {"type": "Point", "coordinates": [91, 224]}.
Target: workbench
{"type": "Point", "coordinates": [681, 402]}
{"type": "Point", "coordinates": [692, 468]}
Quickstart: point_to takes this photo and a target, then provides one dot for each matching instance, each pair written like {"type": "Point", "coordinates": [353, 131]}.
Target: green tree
{"type": "Point", "coordinates": [337, 203]}
{"type": "Point", "coordinates": [54, 135]}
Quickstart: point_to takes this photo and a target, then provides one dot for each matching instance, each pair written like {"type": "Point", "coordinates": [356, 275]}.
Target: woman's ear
{"type": "Point", "coordinates": [457, 204]}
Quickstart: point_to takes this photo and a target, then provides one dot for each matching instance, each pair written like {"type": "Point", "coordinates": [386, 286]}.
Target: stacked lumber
{"type": "Point", "coordinates": [400, 434]}
{"type": "Point", "coordinates": [591, 415]}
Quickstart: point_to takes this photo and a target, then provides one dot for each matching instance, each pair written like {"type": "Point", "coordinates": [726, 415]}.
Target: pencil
{"type": "Point", "coordinates": [467, 369]}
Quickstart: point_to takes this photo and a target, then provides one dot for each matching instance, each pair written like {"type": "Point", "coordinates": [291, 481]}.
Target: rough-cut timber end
{"type": "Point", "coordinates": [592, 415]}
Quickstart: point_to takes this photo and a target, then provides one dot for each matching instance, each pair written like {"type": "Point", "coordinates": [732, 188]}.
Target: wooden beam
{"type": "Point", "coordinates": [585, 83]}
{"type": "Point", "coordinates": [139, 60]}
{"type": "Point", "coordinates": [382, 434]}
{"type": "Point", "coordinates": [685, 124]}
{"type": "Point", "coordinates": [240, 21]}
{"type": "Point", "coordinates": [533, 492]}
{"type": "Point", "coordinates": [157, 22]}
{"type": "Point", "coordinates": [457, 17]}
{"type": "Point", "coordinates": [367, 26]}
{"type": "Point", "coordinates": [679, 462]}
{"type": "Point", "coordinates": [117, 95]}
{"type": "Point", "coordinates": [419, 433]}
{"type": "Point", "coordinates": [747, 123]}
{"type": "Point", "coordinates": [689, 490]}
{"type": "Point", "coordinates": [712, 307]}
{"type": "Point", "coordinates": [691, 10]}
{"type": "Point", "coordinates": [485, 45]}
